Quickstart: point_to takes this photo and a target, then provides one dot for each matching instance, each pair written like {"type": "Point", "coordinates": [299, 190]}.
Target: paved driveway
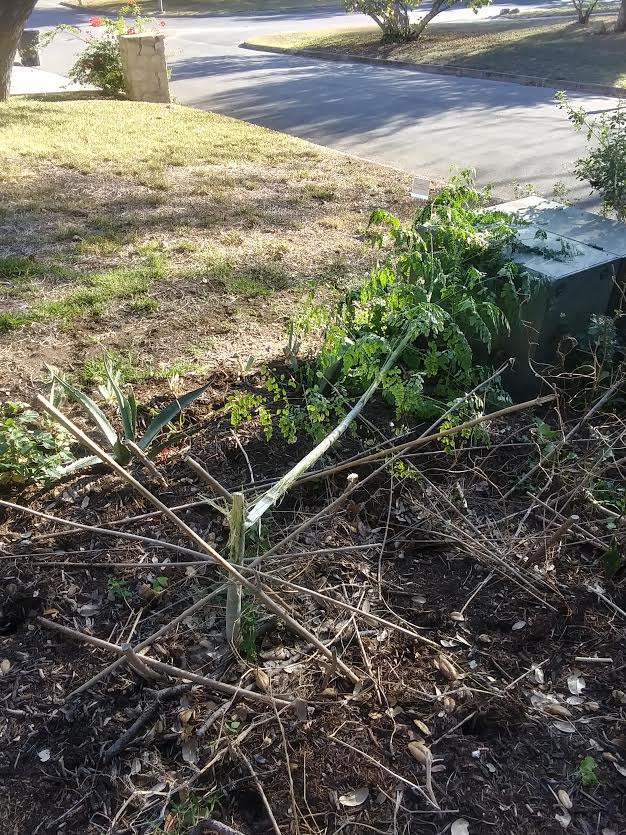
{"type": "Point", "coordinates": [419, 122]}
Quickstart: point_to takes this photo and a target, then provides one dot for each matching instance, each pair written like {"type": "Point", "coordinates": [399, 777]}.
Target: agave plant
{"type": "Point", "coordinates": [127, 409]}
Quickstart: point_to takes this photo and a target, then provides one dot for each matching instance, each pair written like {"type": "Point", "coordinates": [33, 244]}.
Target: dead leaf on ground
{"type": "Point", "coordinates": [576, 683]}
{"type": "Point", "coordinates": [459, 827]}
{"type": "Point", "coordinates": [356, 797]}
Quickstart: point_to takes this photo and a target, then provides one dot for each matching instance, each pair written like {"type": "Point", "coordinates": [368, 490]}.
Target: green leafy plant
{"type": "Point", "coordinates": [604, 165]}
{"type": "Point", "coordinates": [159, 584]}
{"type": "Point", "coordinates": [127, 409]}
{"type": "Point", "coordinates": [32, 448]}
{"type": "Point", "coordinates": [587, 771]}
{"type": "Point", "coordinates": [118, 589]}
{"type": "Point", "coordinates": [447, 279]}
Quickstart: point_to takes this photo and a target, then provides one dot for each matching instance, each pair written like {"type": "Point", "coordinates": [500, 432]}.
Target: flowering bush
{"type": "Point", "coordinates": [100, 63]}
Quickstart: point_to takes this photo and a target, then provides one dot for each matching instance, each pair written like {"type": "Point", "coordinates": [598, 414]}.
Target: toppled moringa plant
{"type": "Point", "coordinates": [449, 277]}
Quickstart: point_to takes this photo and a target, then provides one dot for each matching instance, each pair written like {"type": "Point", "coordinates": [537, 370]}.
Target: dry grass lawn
{"type": "Point", "coordinates": [559, 50]}
{"type": "Point", "coordinates": [182, 240]}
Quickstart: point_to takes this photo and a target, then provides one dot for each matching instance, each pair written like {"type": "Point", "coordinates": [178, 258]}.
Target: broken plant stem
{"type": "Point", "coordinates": [230, 570]}
{"type": "Point", "coordinates": [237, 548]}
{"type": "Point", "coordinates": [205, 476]}
{"type": "Point", "coordinates": [167, 669]}
{"type": "Point", "coordinates": [275, 493]}
{"type": "Point", "coordinates": [539, 553]}
{"type": "Point", "coordinates": [427, 439]}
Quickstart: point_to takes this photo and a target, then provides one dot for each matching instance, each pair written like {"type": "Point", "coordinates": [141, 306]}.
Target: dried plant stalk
{"type": "Point", "coordinates": [237, 548]}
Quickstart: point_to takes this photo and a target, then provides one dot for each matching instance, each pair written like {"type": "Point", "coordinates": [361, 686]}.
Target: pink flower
{"type": "Point", "coordinates": [96, 21]}
{"type": "Point", "coordinates": [130, 31]}
{"type": "Point", "coordinates": [162, 23]}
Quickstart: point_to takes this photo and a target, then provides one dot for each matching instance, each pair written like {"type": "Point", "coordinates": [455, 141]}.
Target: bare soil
{"type": "Point", "coordinates": [500, 757]}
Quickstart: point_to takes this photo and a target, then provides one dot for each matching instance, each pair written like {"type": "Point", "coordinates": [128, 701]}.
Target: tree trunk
{"type": "Point", "coordinates": [620, 23]}
{"type": "Point", "coordinates": [13, 17]}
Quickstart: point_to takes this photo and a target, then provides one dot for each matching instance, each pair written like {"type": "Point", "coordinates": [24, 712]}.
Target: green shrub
{"type": "Point", "coordinates": [32, 449]}
{"type": "Point", "coordinates": [604, 166]}
{"type": "Point", "coordinates": [446, 275]}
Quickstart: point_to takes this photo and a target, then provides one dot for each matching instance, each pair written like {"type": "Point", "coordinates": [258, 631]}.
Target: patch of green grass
{"type": "Point", "coordinates": [320, 191]}
{"type": "Point", "coordinates": [133, 369]}
{"type": "Point", "coordinates": [16, 274]}
{"type": "Point", "coordinates": [144, 305]}
{"type": "Point", "coordinates": [261, 280]}
{"type": "Point", "coordinates": [136, 139]}
{"type": "Point", "coordinates": [185, 247]}
{"type": "Point", "coordinates": [559, 50]}
{"type": "Point", "coordinates": [92, 297]}
{"type": "Point", "coordinates": [105, 244]}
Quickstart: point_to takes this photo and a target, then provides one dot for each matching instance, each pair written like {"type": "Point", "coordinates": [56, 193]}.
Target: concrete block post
{"type": "Point", "coordinates": [144, 67]}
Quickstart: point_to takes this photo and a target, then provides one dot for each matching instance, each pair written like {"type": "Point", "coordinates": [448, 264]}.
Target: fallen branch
{"type": "Point", "coordinates": [275, 493]}
{"type": "Point", "coordinates": [427, 439]}
{"type": "Point", "coordinates": [167, 669]}
{"type": "Point", "coordinates": [148, 714]}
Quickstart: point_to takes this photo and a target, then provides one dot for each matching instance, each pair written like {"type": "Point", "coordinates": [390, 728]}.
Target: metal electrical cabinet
{"type": "Point", "coordinates": [578, 276]}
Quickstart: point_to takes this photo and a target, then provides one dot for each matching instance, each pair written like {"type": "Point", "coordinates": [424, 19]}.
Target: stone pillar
{"type": "Point", "coordinates": [144, 67]}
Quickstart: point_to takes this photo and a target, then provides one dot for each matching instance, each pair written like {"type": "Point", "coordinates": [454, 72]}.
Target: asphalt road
{"type": "Point", "coordinates": [418, 122]}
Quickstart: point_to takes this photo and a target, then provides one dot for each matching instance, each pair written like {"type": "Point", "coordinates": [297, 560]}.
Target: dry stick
{"type": "Point", "coordinates": [402, 779]}
{"type": "Point", "coordinates": [167, 669]}
{"type": "Point", "coordinates": [342, 605]}
{"type": "Point", "coordinates": [133, 537]}
{"type": "Point", "coordinates": [426, 439]}
{"type": "Point", "coordinates": [149, 465]}
{"type": "Point", "coordinates": [597, 590]}
{"type": "Point", "coordinates": [192, 535]}
{"type": "Point", "coordinates": [205, 476]}
{"type": "Point", "coordinates": [261, 791]}
{"type": "Point", "coordinates": [143, 719]}
{"type": "Point", "coordinates": [540, 551]}
{"type": "Point", "coordinates": [597, 405]}
{"type": "Point", "coordinates": [237, 548]}
{"type": "Point", "coordinates": [275, 493]}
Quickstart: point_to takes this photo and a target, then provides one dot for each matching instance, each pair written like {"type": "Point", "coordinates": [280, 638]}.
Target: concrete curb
{"type": "Point", "coordinates": [445, 69]}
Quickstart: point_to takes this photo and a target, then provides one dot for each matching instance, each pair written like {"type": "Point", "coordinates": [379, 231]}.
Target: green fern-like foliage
{"type": "Point", "coordinates": [448, 275]}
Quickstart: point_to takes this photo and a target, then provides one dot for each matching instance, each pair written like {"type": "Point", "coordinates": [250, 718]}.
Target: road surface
{"type": "Point", "coordinates": [421, 123]}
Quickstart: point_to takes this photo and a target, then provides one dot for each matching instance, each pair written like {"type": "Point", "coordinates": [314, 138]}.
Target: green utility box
{"type": "Point", "coordinates": [579, 262]}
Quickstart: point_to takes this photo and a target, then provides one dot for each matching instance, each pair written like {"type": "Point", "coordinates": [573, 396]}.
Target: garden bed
{"type": "Point", "coordinates": [520, 730]}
